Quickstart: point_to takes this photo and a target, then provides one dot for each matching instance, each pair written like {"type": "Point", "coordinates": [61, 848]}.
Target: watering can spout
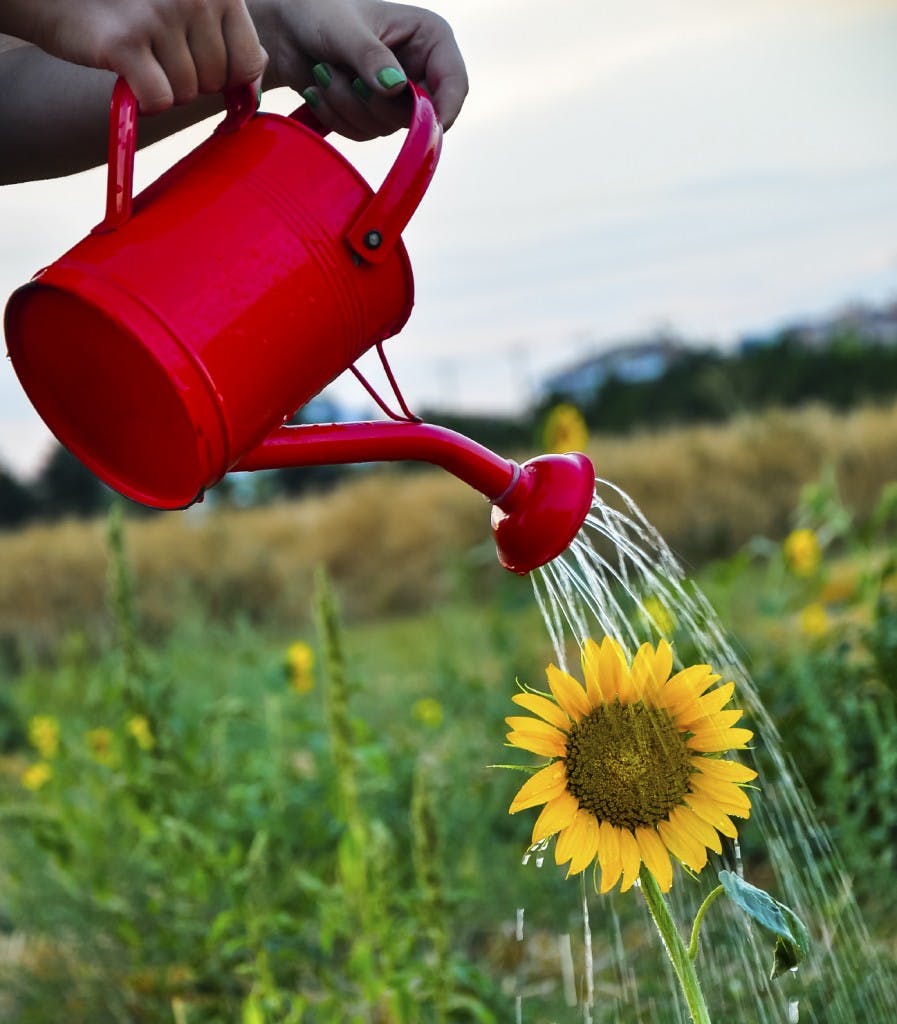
{"type": "Point", "coordinates": [538, 507]}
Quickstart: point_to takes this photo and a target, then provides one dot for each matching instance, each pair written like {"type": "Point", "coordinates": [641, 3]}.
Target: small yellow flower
{"type": "Point", "coordinates": [99, 742]}
{"type": "Point", "coordinates": [300, 663]}
{"type": "Point", "coordinates": [43, 734]}
{"type": "Point", "coordinates": [428, 711]}
{"type": "Point", "coordinates": [802, 552]}
{"type": "Point", "coordinates": [565, 430]}
{"type": "Point", "coordinates": [659, 616]}
{"type": "Point", "coordinates": [814, 621]}
{"type": "Point", "coordinates": [37, 775]}
{"type": "Point", "coordinates": [138, 728]}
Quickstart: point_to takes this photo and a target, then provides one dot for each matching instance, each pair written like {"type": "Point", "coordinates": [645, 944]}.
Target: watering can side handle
{"type": "Point", "coordinates": [380, 224]}
{"type": "Point", "coordinates": [241, 102]}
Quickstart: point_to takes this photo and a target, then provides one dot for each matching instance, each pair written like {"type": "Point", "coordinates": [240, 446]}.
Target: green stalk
{"type": "Point", "coordinates": [682, 963]}
{"type": "Point", "coordinates": [699, 917]}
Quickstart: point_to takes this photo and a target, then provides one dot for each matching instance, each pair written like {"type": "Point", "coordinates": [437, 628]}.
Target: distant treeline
{"type": "Point", "coordinates": [710, 386]}
{"type": "Point", "coordinates": [699, 386]}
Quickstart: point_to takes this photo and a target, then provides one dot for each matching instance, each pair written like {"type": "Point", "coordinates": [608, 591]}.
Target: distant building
{"type": "Point", "coordinates": [631, 363]}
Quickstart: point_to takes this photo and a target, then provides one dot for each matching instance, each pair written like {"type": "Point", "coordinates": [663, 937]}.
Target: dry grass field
{"type": "Point", "coordinates": [396, 541]}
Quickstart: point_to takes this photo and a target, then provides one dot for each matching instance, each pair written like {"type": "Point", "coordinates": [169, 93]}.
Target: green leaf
{"type": "Point", "coordinates": [788, 954]}
{"type": "Point", "coordinates": [792, 938]}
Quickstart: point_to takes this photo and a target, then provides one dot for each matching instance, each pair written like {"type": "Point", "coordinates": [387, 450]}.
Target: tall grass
{"type": "Point", "coordinates": [395, 541]}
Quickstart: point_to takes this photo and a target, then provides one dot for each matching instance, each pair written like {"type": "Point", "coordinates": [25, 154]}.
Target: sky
{"type": "Point", "coordinates": [715, 169]}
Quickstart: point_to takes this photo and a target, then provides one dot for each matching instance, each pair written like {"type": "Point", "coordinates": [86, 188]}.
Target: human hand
{"type": "Point", "coordinates": [169, 51]}
{"type": "Point", "coordinates": [351, 60]}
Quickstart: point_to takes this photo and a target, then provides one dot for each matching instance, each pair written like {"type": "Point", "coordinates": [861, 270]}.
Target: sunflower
{"type": "Point", "coordinates": [635, 773]}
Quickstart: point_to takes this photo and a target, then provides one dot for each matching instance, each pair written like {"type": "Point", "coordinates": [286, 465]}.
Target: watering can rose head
{"type": "Point", "coordinates": [635, 773]}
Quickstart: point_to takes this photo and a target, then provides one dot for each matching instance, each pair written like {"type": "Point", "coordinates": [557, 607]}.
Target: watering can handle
{"type": "Point", "coordinates": [241, 102]}
{"type": "Point", "coordinates": [378, 227]}
{"type": "Point", "coordinates": [380, 223]}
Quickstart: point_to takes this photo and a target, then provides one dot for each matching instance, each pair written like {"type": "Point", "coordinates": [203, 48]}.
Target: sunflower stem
{"type": "Point", "coordinates": [699, 917]}
{"type": "Point", "coordinates": [682, 963]}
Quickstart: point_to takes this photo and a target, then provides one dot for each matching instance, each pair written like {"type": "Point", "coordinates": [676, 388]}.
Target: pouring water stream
{"type": "Point", "coordinates": [602, 585]}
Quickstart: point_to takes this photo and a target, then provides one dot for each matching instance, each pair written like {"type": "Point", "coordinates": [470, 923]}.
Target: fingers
{"type": "Point", "coordinates": [386, 44]}
{"type": "Point", "coordinates": [148, 81]}
{"type": "Point", "coordinates": [246, 60]}
{"type": "Point", "coordinates": [198, 48]}
{"type": "Point", "coordinates": [446, 76]}
{"type": "Point", "coordinates": [177, 62]}
{"type": "Point", "coordinates": [344, 104]}
{"type": "Point", "coordinates": [208, 47]}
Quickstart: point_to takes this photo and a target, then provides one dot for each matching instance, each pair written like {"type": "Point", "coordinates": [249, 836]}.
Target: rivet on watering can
{"type": "Point", "coordinates": [373, 239]}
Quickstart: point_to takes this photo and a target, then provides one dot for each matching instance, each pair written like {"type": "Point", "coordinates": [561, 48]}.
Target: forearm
{"type": "Point", "coordinates": [54, 116]}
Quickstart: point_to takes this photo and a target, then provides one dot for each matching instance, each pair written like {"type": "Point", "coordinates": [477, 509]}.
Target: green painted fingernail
{"type": "Point", "coordinates": [389, 77]}
{"type": "Point", "coordinates": [361, 89]}
{"type": "Point", "coordinates": [322, 75]}
{"type": "Point", "coordinates": [311, 97]}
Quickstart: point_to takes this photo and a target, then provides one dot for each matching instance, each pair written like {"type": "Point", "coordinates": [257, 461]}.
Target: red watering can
{"type": "Point", "coordinates": [171, 345]}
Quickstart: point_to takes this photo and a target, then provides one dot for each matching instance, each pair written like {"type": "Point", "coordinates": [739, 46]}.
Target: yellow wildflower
{"type": "Point", "coordinates": [428, 711]}
{"type": "Point", "coordinates": [802, 552]}
{"type": "Point", "coordinates": [99, 742]}
{"type": "Point", "coordinates": [138, 728]}
{"type": "Point", "coordinates": [43, 734]}
{"type": "Point", "coordinates": [565, 430]}
{"type": "Point", "coordinates": [37, 775]}
{"type": "Point", "coordinates": [814, 621]}
{"type": "Point", "coordinates": [658, 615]}
{"type": "Point", "coordinates": [300, 663]}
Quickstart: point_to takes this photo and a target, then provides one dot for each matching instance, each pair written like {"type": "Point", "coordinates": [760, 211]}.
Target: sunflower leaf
{"type": "Point", "coordinates": [792, 938]}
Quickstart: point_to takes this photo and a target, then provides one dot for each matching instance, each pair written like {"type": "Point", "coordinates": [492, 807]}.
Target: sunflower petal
{"type": "Point", "coordinates": [609, 855]}
{"type": "Point", "coordinates": [651, 668]}
{"type": "Point", "coordinates": [544, 708]}
{"type": "Point", "coordinates": [545, 746]}
{"type": "Point", "coordinates": [545, 785]}
{"type": "Point", "coordinates": [706, 706]}
{"type": "Point", "coordinates": [686, 686]}
{"type": "Point", "coordinates": [568, 693]}
{"type": "Point", "coordinates": [724, 770]}
{"type": "Point", "coordinates": [612, 666]}
{"type": "Point", "coordinates": [633, 682]}
{"type": "Point", "coordinates": [696, 827]}
{"type": "Point", "coordinates": [571, 838]}
{"type": "Point", "coordinates": [586, 846]}
{"type": "Point", "coordinates": [590, 659]}
{"type": "Point", "coordinates": [555, 815]}
{"type": "Point", "coordinates": [708, 811]}
{"type": "Point", "coordinates": [725, 795]}
{"type": "Point", "coordinates": [631, 859]}
{"type": "Point", "coordinates": [682, 845]}
{"type": "Point", "coordinates": [655, 857]}
{"type": "Point", "coordinates": [715, 741]}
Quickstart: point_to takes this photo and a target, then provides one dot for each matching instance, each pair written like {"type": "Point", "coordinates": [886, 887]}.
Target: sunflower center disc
{"type": "Point", "coordinates": [627, 764]}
